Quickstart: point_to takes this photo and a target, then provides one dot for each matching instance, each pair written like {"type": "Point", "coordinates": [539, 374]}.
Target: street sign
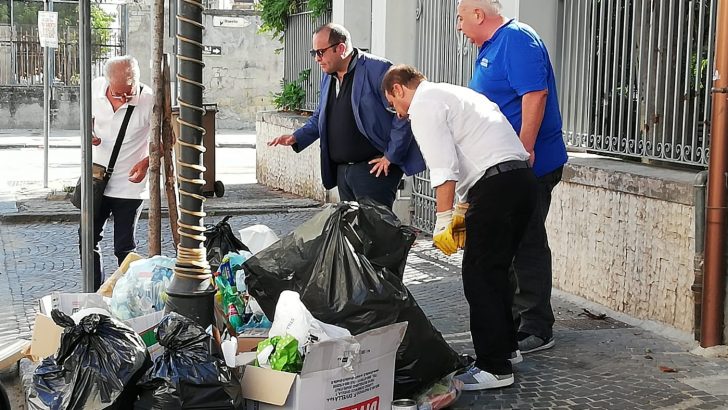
{"type": "Point", "coordinates": [225, 21]}
{"type": "Point", "coordinates": [48, 28]}
{"type": "Point", "coordinates": [212, 50]}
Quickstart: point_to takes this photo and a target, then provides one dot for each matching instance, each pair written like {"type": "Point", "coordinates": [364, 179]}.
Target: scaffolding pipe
{"type": "Point", "coordinates": [191, 292]}
{"type": "Point", "coordinates": [715, 242]}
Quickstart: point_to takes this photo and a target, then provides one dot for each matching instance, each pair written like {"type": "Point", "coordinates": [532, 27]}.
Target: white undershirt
{"type": "Point", "coordinates": [136, 142]}
{"type": "Point", "coordinates": [461, 134]}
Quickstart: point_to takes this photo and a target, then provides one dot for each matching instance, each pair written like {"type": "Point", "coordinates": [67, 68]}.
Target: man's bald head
{"type": "Point", "coordinates": [490, 7]}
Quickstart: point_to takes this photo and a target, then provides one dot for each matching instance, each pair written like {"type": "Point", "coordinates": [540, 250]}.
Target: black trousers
{"type": "Point", "coordinates": [355, 182]}
{"type": "Point", "coordinates": [126, 215]}
{"type": "Point", "coordinates": [531, 271]}
{"type": "Point", "coordinates": [500, 208]}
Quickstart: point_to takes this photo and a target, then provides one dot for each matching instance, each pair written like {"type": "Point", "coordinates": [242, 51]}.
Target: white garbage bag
{"type": "Point", "coordinates": [258, 237]}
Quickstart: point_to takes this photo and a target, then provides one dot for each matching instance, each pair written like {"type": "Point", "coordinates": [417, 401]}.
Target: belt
{"type": "Point", "coordinates": [506, 166]}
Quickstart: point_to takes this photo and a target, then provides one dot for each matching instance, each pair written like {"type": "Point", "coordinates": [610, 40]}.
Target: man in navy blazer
{"type": "Point", "coordinates": [365, 147]}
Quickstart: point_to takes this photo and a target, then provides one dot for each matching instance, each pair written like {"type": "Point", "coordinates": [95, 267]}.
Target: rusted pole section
{"type": "Point", "coordinates": [170, 176]}
{"type": "Point", "coordinates": [715, 243]}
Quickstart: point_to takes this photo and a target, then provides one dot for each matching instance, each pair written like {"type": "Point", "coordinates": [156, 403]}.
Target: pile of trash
{"type": "Point", "coordinates": [317, 318]}
{"type": "Point", "coordinates": [347, 264]}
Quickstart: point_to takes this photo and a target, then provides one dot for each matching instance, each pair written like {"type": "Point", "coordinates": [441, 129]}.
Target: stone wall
{"type": "Point", "coordinates": [623, 235]}
{"type": "Point", "coordinates": [281, 167]}
{"type": "Point", "coordinates": [22, 107]}
{"type": "Point", "coordinates": [242, 79]}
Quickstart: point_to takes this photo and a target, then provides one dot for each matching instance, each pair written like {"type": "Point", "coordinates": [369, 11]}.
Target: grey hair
{"type": "Point", "coordinates": [129, 64]}
{"type": "Point", "coordinates": [491, 7]}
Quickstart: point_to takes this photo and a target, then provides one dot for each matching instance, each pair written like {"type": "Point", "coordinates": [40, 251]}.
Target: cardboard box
{"type": "Point", "coordinates": [349, 373]}
{"type": "Point", "coordinates": [248, 341]}
{"type": "Point", "coordinates": [47, 335]}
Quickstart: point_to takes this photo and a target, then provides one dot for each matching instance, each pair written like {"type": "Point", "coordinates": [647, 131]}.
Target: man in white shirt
{"type": "Point", "coordinates": [112, 95]}
{"type": "Point", "coordinates": [472, 151]}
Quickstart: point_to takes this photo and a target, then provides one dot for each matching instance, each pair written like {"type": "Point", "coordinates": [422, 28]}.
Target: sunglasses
{"type": "Point", "coordinates": [320, 52]}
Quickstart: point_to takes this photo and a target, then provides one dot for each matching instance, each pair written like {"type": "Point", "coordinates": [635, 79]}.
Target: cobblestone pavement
{"type": "Point", "coordinates": [602, 364]}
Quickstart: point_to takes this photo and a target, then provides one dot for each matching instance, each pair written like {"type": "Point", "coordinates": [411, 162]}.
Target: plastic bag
{"type": "Point", "coordinates": [347, 264]}
{"type": "Point", "coordinates": [96, 367]}
{"type": "Point", "coordinates": [190, 374]}
{"type": "Point", "coordinates": [279, 353]}
{"type": "Point", "coordinates": [142, 290]}
{"type": "Point", "coordinates": [231, 269]}
{"type": "Point", "coordinates": [220, 240]}
{"type": "Point", "coordinates": [292, 318]}
{"type": "Point", "coordinates": [441, 395]}
{"type": "Point", "coordinates": [258, 237]}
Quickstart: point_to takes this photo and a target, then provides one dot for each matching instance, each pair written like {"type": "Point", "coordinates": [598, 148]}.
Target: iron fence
{"type": "Point", "coordinates": [635, 78]}
{"type": "Point", "coordinates": [22, 58]}
{"type": "Point", "coordinates": [443, 55]}
{"type": "Point", "coordinates": [297, 42]}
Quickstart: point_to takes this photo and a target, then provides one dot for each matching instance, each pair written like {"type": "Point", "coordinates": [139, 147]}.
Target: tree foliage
{"type": "Point", "coordinates": [26, 13]}
{"type": "Point", "coordinates": [274, 14]}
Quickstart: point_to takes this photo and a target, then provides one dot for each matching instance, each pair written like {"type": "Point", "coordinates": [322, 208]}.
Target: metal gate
{"type": "Point", "coordinates": [443, 55]}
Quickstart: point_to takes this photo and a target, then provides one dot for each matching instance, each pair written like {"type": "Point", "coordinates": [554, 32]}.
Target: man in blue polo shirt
{"type": "Point", "coordinates": [514, 71]}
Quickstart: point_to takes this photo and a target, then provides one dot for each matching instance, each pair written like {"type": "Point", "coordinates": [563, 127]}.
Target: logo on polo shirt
{"type": "Point", "coordinates": [484, 62]}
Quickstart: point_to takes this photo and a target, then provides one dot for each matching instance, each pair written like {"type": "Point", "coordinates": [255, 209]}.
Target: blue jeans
{"type": "Point", "coordinates": [355, 182]}
{"type": "Point", "coordinates": [126, 215]}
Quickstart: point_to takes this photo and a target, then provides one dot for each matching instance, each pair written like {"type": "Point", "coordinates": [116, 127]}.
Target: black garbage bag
{"type": "Point", "coordinates": [220, 240]}
{"type": "Point", "coordinates": [97, 366]}
{"type": "Point", "coordinates": [347, 265]}
{"type": "Point", "coordinates": [190, 373]}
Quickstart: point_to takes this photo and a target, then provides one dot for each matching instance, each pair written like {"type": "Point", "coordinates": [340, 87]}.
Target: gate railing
{"type": "Point", "coordinates": [296, 59]}
{"type": "Point", "coordinates": [635, 78]}
{"type": "Point", "coordinates": [26, 54]}
{"type": "Point", "coordinates": [443, 55]}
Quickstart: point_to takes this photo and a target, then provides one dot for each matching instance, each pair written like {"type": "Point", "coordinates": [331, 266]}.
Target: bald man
{"type": "Point", "coordinates": [514, 71]}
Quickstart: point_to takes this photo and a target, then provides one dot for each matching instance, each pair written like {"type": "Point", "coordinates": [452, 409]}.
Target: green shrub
{"type": "Point", "coordinates": [292, 95]}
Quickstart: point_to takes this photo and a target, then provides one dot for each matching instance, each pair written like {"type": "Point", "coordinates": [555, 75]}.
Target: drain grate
{"type": "Point", "coordinates": [591, 324]}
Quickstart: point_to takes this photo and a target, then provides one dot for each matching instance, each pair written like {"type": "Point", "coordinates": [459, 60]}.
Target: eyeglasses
{"type": "Point", "coordinates": [122, 95]}
{"type": "Point", "coordinates": [322, 51]}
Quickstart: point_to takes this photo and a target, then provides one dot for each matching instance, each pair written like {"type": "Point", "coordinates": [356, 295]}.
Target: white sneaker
{"type": "Point", "coordinates": [516, 357]}
{"type": "Point", "coordinates": [476, 379]}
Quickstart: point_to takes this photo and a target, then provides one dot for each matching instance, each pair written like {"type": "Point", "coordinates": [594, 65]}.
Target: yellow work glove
{"type": "Point", "coordinates": [442, 236]}
{"type": "Point", "coordinates": [458, 224]}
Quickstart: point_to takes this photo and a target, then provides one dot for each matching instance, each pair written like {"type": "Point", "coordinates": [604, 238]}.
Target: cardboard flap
{"type": "Point", "coordinates": [267, 386]}
{"type": "Point", "coordinates": [346, 353]}
{"type": "Point", "coordinates": [12, 352]}
{"type": "Point", "coordinates": [46, 337]}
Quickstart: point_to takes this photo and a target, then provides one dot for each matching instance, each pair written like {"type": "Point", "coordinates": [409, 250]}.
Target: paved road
{"type": "Point", "coordinates": [596, 364]}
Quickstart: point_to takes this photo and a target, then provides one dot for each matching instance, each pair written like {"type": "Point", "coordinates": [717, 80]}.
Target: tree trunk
{"type": "Point", "coordinates": [168, 141]}
{"type": "Point", "coordinates": [155, 206]}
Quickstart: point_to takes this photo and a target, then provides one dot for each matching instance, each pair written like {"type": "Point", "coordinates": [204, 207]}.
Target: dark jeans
{"type": "Point", "coordinates": [500, 208]}
{"type": "Point", "coordinates": [126, 214]}
{"type": "Point", "coordinates": [355, 182]}
{"type": "Point", "coordinates": [532, 267]}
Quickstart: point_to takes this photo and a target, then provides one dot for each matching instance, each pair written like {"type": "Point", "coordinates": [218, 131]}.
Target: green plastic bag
{"type": "Point", "coordinates": [280, 353]}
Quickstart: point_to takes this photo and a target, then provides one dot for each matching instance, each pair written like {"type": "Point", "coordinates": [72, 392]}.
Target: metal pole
{"type": "Point", "coordinates": [191, 293]}
{"type": "Point", "coordinates": [13, 57]}
{"type": "Point", "coordinates": [47, 78]}
{"type": "Point", "coordinates": [84, 30]}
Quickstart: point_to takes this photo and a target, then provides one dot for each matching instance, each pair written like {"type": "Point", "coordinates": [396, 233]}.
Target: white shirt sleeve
{"type": "Point", "coordinates": [435, 138]}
